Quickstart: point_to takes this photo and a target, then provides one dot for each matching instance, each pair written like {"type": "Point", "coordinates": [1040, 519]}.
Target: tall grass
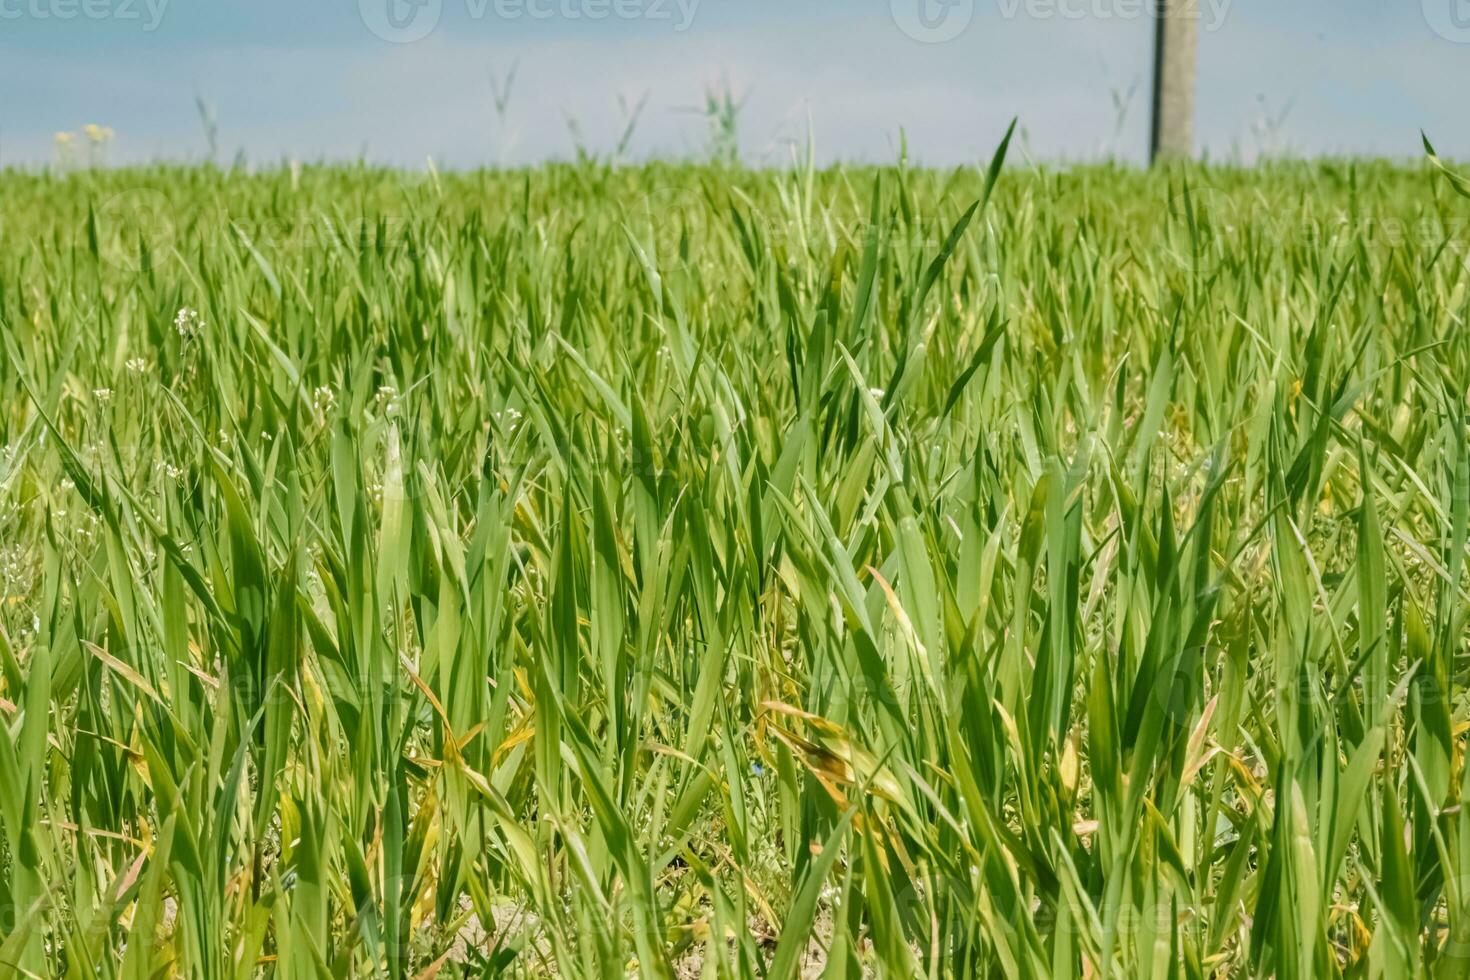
{"type": "Point", "coordinates": [686, 571]}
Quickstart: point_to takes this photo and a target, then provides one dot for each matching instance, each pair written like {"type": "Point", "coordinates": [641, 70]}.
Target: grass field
{"type": "Point", "coordinates": [685, 571]}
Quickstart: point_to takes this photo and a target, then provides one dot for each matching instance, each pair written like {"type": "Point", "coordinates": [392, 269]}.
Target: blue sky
{"type": "Point", "coordinates": [314, 79]}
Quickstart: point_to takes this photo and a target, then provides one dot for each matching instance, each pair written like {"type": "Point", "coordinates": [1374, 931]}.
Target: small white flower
{"type": "Point", "coordinates": [103, 395]}
{"type": "Point", "coordinates": [323, 400]}
{"type": "Point", "coordinates": [138, 366]}
{"type": "Point", "coordinates": [188, 322]}
{"type": "Point", "coordinates": [510, 417]}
